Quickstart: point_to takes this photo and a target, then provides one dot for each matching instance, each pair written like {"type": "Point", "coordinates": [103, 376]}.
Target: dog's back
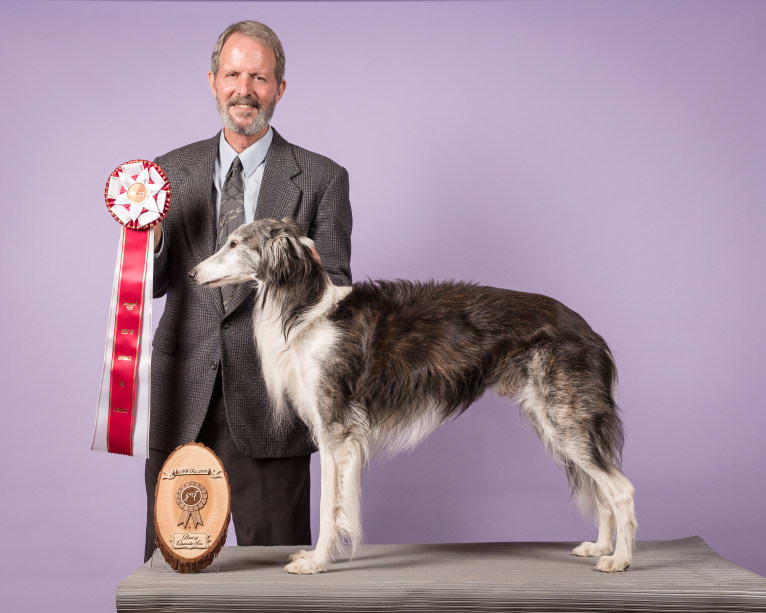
{"type": "Point", "coordinates": [402, 340]}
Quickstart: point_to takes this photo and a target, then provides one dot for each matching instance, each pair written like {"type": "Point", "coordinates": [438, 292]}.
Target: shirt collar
{"type": "Point", "coordinates": [251, 158]}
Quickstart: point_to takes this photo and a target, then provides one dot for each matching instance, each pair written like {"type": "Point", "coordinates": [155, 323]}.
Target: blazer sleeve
{"type": "Point", "coordinates": [331, 228]}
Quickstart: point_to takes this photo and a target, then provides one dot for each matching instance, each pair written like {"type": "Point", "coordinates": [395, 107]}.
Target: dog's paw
{"type": "Point", "coordinates": [612, 564]}
{"type": "Point", "coordinates": [588, 549]}
{"type": "Point", "coordinates": [304, 566]}
{"type": "Point", "coordinates": [302, 554]}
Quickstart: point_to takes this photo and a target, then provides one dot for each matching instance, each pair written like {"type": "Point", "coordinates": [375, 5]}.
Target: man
{"type": "Point", "coordinates": [206, 378]}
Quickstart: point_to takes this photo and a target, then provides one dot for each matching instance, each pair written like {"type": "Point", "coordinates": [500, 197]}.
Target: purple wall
{"type": "Point", "coordinates": [610, 154]}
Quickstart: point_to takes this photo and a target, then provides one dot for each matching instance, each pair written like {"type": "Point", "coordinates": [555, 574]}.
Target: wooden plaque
{"type": "Point", "coordinates": [192, 503]}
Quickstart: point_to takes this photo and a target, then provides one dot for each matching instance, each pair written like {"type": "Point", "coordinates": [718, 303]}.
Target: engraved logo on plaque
{"type": "Point", "coordinates": [191, 497]}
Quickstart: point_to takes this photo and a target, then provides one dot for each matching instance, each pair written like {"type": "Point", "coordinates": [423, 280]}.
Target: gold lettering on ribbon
{"type": "Point", "coordinates": [129, 305]}
{"type": "Point", "coordinates": [119, 410]}
{"type": "Point", "coordinates": [191, 497]}
{"type": "Point", "coordinates": [124, 358]}
{"type": "Point", "coordinates": [126, 331]}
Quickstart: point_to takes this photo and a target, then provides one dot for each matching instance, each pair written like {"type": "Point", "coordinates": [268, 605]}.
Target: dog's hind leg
{"type": "Point", "coordinates": [574, 441]}
{"type": "Point", "coordinates": [618, 492]}
{"type": "Point", "coordinates": [577, 421]}
{"type": "Point", "coordinates": [590, 500]}
{"type": "Point", "coordinates": [613, 497]}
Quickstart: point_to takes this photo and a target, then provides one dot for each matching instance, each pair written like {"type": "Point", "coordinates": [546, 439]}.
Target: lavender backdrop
{"type": "Point", "coordinates": [608, 153]}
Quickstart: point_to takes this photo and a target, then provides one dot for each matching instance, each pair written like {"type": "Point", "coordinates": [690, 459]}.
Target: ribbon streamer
{"type": "Point", "coordinates": [138, 196]}
{"type": "Point", "coordinates": [193, 516]}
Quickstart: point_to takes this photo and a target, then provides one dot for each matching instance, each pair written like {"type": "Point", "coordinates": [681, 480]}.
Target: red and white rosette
{"type": "Point", "coordinates": [138, 196]}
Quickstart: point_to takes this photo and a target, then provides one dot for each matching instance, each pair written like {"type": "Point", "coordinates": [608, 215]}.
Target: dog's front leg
{"type": "Point", "coordinates": [311, 562]}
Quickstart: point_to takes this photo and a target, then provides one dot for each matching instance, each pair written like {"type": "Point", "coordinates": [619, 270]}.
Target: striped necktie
{"type": "Point", "coordinates": [231, 215]}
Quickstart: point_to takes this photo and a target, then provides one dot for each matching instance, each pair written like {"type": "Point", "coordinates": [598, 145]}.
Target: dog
{"type": "Point", "coordinates": [378, 366]}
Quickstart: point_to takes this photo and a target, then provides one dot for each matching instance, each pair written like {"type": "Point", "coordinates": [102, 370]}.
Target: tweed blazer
{"type": "Point", "coordinates": [196, 336]}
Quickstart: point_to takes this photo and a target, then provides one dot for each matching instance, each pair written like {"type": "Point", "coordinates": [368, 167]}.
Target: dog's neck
{"type": "Point", "coordinates": [295, 305]}
{"type": "Point", "coordinates": [291, 329]}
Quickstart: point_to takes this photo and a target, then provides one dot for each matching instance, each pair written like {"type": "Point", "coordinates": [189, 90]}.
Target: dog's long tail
{"type": "Point", "coordinates": [583, 489]}
{"type": "Point", "coordinates": [605, 428]}
{"type": "Point", "coordinates": [604, 431]}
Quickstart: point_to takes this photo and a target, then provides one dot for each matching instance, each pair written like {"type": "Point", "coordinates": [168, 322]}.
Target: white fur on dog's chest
{"type": "Point", "coordinates": [292, 368]}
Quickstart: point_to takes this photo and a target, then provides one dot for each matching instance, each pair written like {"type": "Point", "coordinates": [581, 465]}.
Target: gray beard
{"type": "Point", "coordinates": [255, 127]}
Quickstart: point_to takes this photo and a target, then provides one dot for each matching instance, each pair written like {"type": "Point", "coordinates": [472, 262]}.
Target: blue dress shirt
{"type": "Point", "coordinates": [253, 162]}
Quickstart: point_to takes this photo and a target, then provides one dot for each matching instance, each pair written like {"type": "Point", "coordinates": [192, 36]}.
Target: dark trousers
{"type": "Point", "coordinates": [269, 497]}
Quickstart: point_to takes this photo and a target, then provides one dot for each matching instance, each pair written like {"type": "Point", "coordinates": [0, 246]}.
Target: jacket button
{"type": "Point", "coordinates": [213, 365]}
{"type": "Point", "coordinates": [226, 326]}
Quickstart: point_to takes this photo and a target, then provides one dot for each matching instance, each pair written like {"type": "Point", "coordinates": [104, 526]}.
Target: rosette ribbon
{"type": "Point", "coordinates": [138, 196]}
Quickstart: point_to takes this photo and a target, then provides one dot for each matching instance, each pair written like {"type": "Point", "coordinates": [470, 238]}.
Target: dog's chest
{"type": "Point", "coordinates": [293, 369]}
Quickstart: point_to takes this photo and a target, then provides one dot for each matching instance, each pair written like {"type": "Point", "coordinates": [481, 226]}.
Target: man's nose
{"type": "Point", "coordinates": [244, 85]}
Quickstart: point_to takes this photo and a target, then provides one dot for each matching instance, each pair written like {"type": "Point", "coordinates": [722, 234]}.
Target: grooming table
{"type": "Point", "coordinates": [679, 575]}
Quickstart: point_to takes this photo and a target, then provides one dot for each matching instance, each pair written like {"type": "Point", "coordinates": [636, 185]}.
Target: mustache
{"type": "Point", "coordinates": [246, 100]}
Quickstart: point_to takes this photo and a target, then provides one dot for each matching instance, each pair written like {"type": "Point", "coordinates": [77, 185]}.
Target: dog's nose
{"type": "Point", "coordinates": [192, 273]}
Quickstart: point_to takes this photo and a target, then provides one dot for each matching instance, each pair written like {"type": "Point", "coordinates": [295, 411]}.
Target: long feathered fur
{"type": "Point", "coordinates": [376, 367]}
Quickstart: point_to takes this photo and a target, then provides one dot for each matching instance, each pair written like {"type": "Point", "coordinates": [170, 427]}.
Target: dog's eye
{"type": "Point", "coordinates": [233, 244]}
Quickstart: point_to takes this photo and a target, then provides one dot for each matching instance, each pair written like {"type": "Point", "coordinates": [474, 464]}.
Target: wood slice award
{"type": "Point", "coordinates": [192, 504]}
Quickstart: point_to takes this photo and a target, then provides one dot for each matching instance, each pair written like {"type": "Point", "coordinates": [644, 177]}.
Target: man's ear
{"type": "Point", "coordinates": [211, 78]}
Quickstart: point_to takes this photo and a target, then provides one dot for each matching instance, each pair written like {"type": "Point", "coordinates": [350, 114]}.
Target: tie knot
{"type": "Point", "coordinates": [236, 166]}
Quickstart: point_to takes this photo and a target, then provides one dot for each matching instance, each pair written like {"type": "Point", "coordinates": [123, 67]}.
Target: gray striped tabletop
{"type": "Point", "coordinates": [678, 575]}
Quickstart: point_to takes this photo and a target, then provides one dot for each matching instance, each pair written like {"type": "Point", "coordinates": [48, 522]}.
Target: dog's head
{"type": "Point", "coordinates": [269, 251]}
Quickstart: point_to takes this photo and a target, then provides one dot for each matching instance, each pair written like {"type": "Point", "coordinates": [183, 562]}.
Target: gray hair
{"type": "Point", "coordinates": [260, 32]}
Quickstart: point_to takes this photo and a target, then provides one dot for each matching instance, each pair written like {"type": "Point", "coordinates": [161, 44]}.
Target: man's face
{"type": "Point", "coordinates": [245, 88]}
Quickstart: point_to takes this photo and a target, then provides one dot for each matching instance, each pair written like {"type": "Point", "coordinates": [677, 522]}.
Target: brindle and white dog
{"type": "Point", "coordinates": [378, 366]}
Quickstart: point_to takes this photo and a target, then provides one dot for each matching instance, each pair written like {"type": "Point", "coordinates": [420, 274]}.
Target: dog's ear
{"type": "Point", "coordinates": [289, 224]}
{"type": "Point", "coordinates": [284, 258]}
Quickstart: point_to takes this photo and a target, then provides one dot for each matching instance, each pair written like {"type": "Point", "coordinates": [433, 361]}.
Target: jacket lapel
{"type": "Point", "coordinates": [277, 198]}
{"type": "Point", "coordinates": [199, 220]}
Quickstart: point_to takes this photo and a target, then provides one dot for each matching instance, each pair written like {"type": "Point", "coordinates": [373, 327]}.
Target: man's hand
{"type": "Point", "coordinates": [157, 236]}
